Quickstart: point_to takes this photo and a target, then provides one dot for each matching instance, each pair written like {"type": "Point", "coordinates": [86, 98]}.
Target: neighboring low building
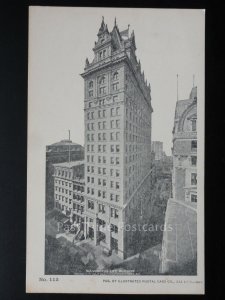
{"type": "Point", "coordinates": [179, 247]}
{"type": "Point", "coordinates": [59, 152]}
{"type": "Point", "coordinates": [69, 190]}
{"type": "Point", "coordinates": [185, 149]}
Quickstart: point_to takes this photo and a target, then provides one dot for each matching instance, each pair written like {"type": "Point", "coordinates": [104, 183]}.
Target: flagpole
{"type": "Point", "coordinates": [69, 146]}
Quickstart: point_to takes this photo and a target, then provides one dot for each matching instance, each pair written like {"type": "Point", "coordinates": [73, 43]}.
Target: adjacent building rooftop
{"type": "Point", "coordinates": [70, 164]}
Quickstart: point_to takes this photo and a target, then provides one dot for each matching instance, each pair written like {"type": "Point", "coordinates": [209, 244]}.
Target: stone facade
{"type": "Point", "coordinates": [69, 190]}
{"type": "Point", "coordinates": [185, 149]}
{"type": "Point", "coordinates": [117, 105]}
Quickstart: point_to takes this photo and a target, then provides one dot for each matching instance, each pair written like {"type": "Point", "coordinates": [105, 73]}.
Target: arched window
{"type": "Point", "coordinates": [90, 84]}
{"type": "Point", "coordinates": [115, 76]}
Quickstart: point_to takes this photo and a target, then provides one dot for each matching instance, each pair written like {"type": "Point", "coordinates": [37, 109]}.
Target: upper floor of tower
{"type": "Point", "coordinates": [114, 47]}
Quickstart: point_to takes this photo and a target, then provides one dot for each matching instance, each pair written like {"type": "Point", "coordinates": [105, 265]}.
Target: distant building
{"type": "Point", "coordinates": [179, 247]}
{"type": "Point", "coordinates": [69, 190]}
{"type": "Point", "coordinates": [117, 139]}
{"type": "Point", "coordinates": [59, 152]}
{"type": "Point", "coordinates": [185, 149]}
{"type": "Point", "coordinates": [157, 148]}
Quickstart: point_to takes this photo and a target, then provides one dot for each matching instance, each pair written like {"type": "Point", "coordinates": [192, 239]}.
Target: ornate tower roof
{"type": "Point", "coordinates": [103, 28]}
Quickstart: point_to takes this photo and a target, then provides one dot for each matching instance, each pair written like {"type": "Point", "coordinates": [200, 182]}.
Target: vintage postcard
{"type": "Point", "coordinates": [115, 191]}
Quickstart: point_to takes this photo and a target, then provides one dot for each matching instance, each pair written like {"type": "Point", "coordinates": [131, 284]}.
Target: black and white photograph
{"type": "Point", "coordinates": [115, 150]}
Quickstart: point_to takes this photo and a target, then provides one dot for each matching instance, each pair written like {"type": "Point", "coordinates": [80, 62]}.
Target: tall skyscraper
{"type": "Point", "coordinates": [117, 107]}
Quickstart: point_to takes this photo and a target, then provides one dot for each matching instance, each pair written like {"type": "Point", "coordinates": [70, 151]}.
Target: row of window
{"type": "Point", "coordinates": [102, 79]}
{"type": "Point", "coordinates": [102, 148]}
{"type": "Point", "coordinates": [114, 213]}
{"type": "Point", "coordinates": [78, 188]}
{"type": "Point", "coordinates": [114, 111]}
{"type": "Point", "coordinates": [78, 208]}
{"type": "Point", "coordinates": [66, 174]}
{"type": "Point", "coordinates": [63, 208]}
{"type": "Point", "coordinates": [102, 90]}
{"type": "Point", "coordinates": [113, 173]}
{"type": "Point", "coordinates": [78, 198]}
{"type": "Point", "coordinates": [62, 182]}
{"type": "Point", "coordinates": [114, 136]}
{"type": "Point", "coordinates": [59, 197]}
{"type": "Point", "coordinates": [102, 125]}
{"type": "Point", "coordinates": [63, 190]}
{"type": "Point", "coordinates": [102, 159]}
{"type": "Point", "coordinates": [100, 102]}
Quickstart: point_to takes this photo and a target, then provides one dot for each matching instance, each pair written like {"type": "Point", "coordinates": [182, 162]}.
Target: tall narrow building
{"type": "Point", "coordinates": [117, 107]}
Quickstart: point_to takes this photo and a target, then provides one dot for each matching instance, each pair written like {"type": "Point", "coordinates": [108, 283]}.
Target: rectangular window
{"type": "Point", "coordinates": [193, 125]}
{"type": "Point", "coordinates": [194, 160]}
{"type": "Point", "coordinates": [193, 198]}
{"type": "Point", "coordinates": [193, 178]}
{"type": "Point", "coordinates": [102, 90]}
{"type": "Point", "coordinates": [194, 145]}
{"type": "Point", "coordinates": [115, 86]}
{"type": "Point", "coordinates": [115, 98]}
{"type": "Point", "coordinates": [90, 204]}
{"type": "Point", "coordinates": [112, 136]}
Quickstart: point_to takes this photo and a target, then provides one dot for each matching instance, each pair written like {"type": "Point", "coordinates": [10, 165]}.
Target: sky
{"type": "Point", "coordinates": [169, 42]}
